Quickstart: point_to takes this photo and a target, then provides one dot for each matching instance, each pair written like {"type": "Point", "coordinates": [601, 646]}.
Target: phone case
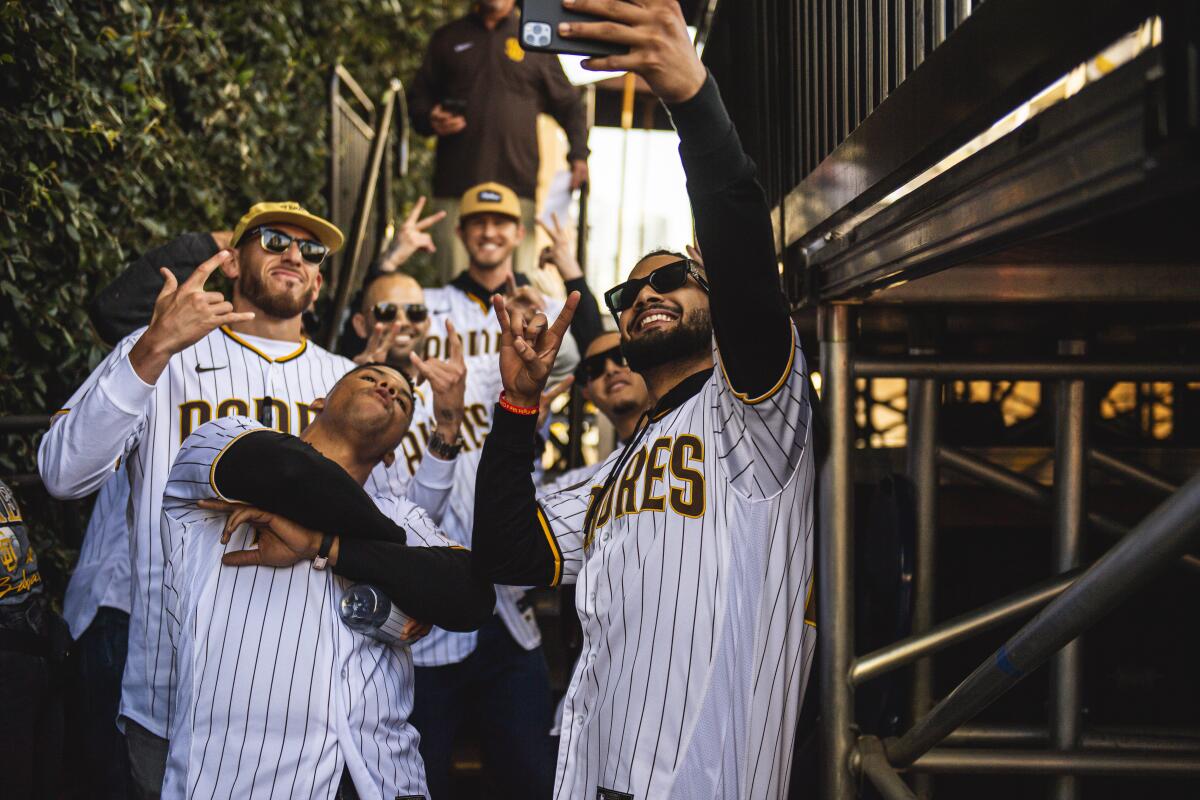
{"type": "Point", "coordinates": [539, 31]}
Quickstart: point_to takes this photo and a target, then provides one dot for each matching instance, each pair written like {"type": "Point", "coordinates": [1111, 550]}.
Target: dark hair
{"type": "Point", "coordinates": [661, 251]}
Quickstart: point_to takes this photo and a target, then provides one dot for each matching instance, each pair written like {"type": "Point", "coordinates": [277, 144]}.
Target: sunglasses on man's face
{"type": "Point", "coordinates": [415, 313]}
{"type": "Point", "coordinates": [278, 242]}
{"type": "Point", "coordinates": [595, 366]}
{"type": "Point", "coordinates": [666, 278]}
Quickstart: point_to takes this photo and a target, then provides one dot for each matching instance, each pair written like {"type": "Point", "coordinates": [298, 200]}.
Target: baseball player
{"type": "Point", "coordinates": [692, 548]}
{"type": "Point", "coordinates": [490, 229]}
{"type": "Point", "coordinates": [276, 696]}
{"type": "Point", "coordinates": [201, 357]}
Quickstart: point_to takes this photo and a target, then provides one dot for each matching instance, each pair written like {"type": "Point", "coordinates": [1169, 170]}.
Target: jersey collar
{"type": "Point", "coordinates": [294, 354]}
{"type": "Point", "coordinates": [476, 291]}
{"type": "Point", "coordinates": [683, 391]}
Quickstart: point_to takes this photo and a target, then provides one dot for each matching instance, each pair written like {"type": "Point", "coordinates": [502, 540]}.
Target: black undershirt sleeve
{"type": "Point", "coordinates": [286, 476]}
{"type": "Point", "coordinates": [430, 584]}
{"type": "Point", "coordinates": [586, 324]}
{"type": "Point", "coordinates": [126, 304]}
{"type": "Point", "coordinates": [733, 228]}
{"type": "Point", "coordinates": [508, 544]}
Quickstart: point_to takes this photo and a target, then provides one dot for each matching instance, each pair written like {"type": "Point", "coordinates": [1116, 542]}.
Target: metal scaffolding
{"type": "Point", "coordinates": [1070, 602]}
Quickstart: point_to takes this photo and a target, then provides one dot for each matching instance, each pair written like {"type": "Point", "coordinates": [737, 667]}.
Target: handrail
{"type": "Point", "coordinates": [353, 264]}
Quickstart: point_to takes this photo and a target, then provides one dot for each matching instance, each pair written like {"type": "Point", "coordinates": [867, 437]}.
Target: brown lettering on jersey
{"type": "Point", "coordinates": [412, 451]}
{"type": "Point", "coordinates": [304, 415]}
{"type": "Point", "coordinates": [233, 407]}
{"type": "Point", "coordinates": [433, 347]}
{"type": "Point", "coordinates": [193, 414]}
{"type": "Point", "coordinates": [472, 343]}
{"type": "Point", "coordinates": [627, 500]}
{"type": "Point", "coordinates": [279, 413]}
{"type": "Point", "coordinates": [655, 472]}
{"type": "Point", "coordinates": [687, 500]}
{"type": "Point", "coordinates": [476, 426]}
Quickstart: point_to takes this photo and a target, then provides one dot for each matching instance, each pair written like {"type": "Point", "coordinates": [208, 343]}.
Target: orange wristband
{"type": "Point", "coordinates": [524, 411]}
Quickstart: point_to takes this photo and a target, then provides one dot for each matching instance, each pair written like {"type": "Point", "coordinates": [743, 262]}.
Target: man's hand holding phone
{"type": "Point", "coordinates": [660, 48]}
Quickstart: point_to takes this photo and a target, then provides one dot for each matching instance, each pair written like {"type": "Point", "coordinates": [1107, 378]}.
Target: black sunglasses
{"type": "Point", "coordinates": [278, 242]}
{"type": "Point", "coordinates": [386, 312]}
{"type": "Point", "coordinates": [666, 278]}
{"type": "Point", "coordinates": [596, 365]}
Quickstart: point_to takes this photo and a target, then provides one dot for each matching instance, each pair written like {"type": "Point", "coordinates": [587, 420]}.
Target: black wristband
{"type": "Point", "coordinates": [323, 551]}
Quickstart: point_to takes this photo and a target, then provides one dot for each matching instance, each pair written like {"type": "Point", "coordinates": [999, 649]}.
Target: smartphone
{"type": "Point", "coordinates": [455, 105]}
{"type": "Point", "coordinates": [539, 31]}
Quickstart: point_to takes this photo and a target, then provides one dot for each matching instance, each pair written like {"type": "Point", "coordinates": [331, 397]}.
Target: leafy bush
{"type": "Point", "coordinates": [126, 122]}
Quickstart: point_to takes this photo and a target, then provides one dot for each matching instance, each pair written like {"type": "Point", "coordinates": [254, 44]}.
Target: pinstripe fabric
{"type": "Point", "coordinates": [276, 695]}
{"type": "Point", "coordinates": [692, 598]}
{"type": "Point", "coordinates": [221, 375]}
{"type": "Point", "coordinates": [101, 576]}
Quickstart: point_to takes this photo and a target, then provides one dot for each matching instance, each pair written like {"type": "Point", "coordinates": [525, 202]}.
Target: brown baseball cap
{"type": "Point", "coordinates": [491, 197]}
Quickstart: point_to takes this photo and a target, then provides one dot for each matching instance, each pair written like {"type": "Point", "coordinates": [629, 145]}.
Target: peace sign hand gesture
{"type": "Point", "coordinates": [560, 253]}
{"type": "Point", "coordinates": [411, 237]}
{"type": "Point", "coordinates": [528, 349]}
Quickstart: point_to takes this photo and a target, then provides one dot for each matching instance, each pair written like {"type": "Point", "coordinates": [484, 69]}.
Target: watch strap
{"type": "Point", "coordinates": [322, 558]}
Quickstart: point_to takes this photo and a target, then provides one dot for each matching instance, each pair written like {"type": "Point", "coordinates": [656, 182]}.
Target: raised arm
{"type": "Point", "coordinates": [733, 224]}
{"type": "Point", "coordinates": [127, 303]}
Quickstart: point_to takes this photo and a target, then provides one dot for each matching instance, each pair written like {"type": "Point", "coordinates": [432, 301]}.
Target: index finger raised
{"type": "Point", "coordinates": [200, 275]}
{"type": "Point", "coordinates": [559, 328]}
{"type": "Point", "coordinates": [455, 347]}
{"type": "Point", "coordinates": [415, 213]}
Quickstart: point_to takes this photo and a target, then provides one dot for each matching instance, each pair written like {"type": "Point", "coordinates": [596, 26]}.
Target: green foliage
{"type": "Point", "coordinates": [124, 123]}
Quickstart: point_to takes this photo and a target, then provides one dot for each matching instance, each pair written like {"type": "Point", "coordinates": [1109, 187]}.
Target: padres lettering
{"type": "Point", "coordinates": [194, 413]}
{"type": "Point", "coordinates": [476, 423]}
{"type": "Point", "coordinates": [474, 343]}
{"type": "Point", "coordinates": [644, 484]}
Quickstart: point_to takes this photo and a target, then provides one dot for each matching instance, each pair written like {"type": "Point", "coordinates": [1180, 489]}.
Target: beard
{"type": "Point", "coordinates": [281, 305]}
{"type": "Point", "coordinates": [692, 337]}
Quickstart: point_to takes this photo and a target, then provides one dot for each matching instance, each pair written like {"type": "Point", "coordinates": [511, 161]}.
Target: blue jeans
{"type": "Point", "coordinates": [101, 661]}
{"type": "Point", "coordinates": [508, 689]}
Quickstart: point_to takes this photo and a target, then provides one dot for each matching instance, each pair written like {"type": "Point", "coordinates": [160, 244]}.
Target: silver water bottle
{"type": "Point", "coordinates": [368, 611]}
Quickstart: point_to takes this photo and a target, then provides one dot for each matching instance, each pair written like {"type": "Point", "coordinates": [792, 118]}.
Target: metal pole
{"type": "Point", "coordinates": [959, 629]}
{"type": "Point", "coordinates": [1070, 499]}
{"type": "Point", "coordinates": [1033, 369]}
{"type": "Point", "coordinates": [1156, 542]}
{"type": "Point", "coordinates": [835, 554]}
{"type": "Point", "coordinates": [1042, 762]}
{"type": "Point", "coordinates": [1160, 739]}
{"type": "Point", "coordinates": [1006, 479]}
{"type": "Point", "coordinates": [882, 775]}
{"type": "Point", "coordinates": [1131, 472]}
{"type": "Point", "coordinates": [924, 396]}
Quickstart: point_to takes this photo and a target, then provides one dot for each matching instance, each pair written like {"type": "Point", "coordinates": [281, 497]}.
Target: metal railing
{"type": "Point", "coordinates": [1070, 602]}
{"type": "Point", "coordinates": [361, 167]}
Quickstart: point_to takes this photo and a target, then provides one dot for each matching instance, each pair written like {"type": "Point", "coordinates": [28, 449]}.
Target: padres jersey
{"type": "Point", "coordinates": [476, 323]}
{"type": "Point", "coordinates": [116, 416]}
{"type": "Point", "coordinates": [441, 647]}
{"type": "Point", "coordinates": [101, 576]}
{"type": "Point", "coordinates": [276, 695]}
{"type": "Point", "coordinates": [691, 590]}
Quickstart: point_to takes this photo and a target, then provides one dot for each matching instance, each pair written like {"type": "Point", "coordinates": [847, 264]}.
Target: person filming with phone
{"type": "Point", "coordinates": [479, 92]}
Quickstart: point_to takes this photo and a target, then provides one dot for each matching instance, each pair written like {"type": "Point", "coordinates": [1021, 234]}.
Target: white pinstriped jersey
{"type": "Point", "coordinates": [276, 695]}
{"type": "Point", "coordinates": [692, 596]}
{"type": "Point", "coordinates": [114, 415]}
{"type": "Point", "coordinates": [476, 323]}
{"type": "Point", "coordinates": [441, 647]}
{"type": "Point", "coordinates": [101, 575]}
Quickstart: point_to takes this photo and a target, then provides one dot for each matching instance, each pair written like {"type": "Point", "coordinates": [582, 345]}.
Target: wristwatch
{"type": "Point", "coordinates": [322, 558]}
{"type": "Point", "coordinates": [443, 450]}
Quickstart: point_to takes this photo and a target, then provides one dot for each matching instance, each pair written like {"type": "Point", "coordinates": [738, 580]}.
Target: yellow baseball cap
{"type": "Point", "coordinates": [294, 214]}
{"type": "Point", "coordinates": [492, 197]}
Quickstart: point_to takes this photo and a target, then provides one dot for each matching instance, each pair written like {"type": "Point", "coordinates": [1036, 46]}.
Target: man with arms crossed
{"type": "Point", "coordinates": [276, 696]}
{"type": "Point", "coordinates": [201, 357]}
{"type": "Point", "coordinates": [692, 547]}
